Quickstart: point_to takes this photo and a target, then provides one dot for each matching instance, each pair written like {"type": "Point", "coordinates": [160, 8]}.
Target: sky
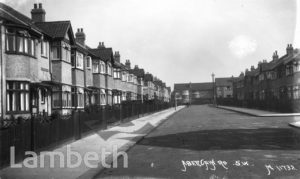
{"type": "Point", "coordinates": [181, 41]}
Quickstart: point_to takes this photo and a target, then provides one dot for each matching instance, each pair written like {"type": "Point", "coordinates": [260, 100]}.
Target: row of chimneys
{"type": "Point", "coordinates": [38, 14]}
{"type": "Point", "coordinates": [289, 51]}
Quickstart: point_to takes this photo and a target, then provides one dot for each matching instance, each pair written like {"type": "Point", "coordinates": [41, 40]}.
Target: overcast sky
{"type": "Point", "coordinates": [181, 40]}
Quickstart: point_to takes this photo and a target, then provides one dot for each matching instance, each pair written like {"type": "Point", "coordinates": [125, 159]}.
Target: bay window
{"type": "Point", "coordinates": [102, 97]}
{"type": "Point", "coordinates": [79, 60]}
{"type": "Point", "coordinates": [124, 76]}
{"type": "Point", "coordinates": [56, 52]}
{"type": "Point", "coordinates": [80, 97]}
{"type": "Point", "coordinates": [109, 69]}
{"type": "Point", "coordinates": [95, 67]}
{"type": "Point", "coordinates": [123, 96]}
{"type": "Point", "coordinates": [65, 52]}
{"type": "Point", "coordinates": [117, 73]}
{"type": "Point", "coordinates": [102, 67]}
{"type": "Point", "coordinates": [88, 62]}
{"type": "Point", "coordinates": [73, 96]}
{"type": "Point", "coordinates": [44, 48]}
{"type": "Point", "coordinates": [19, 42]}
{"type": "Point", "coordinates": [17, 99]}
{"type": "Point", "coordinates": [296, 66]}
{"type": "Point", "coordinates": [62, 97]}
{"type": "Point", "coordinates": [56, 97]}
{"type": "Point", "coordinates": [109, 97]}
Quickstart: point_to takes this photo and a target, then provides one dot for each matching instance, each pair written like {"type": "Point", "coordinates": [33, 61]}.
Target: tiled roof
{"type": "Point", "coordinates": [80, 47]}
{"type": "Point", "coordinates": [193, 86]}
{"type": "Point", "coordinates": [10, 14]}
{"type": "Point", "coordinates": [251, 72]}
{"type": "Point", "coordinates": [55, 29]}
{"type": "Point", "coordinates": [224, 81]}
{"type": "Point", "coordinates": [296, 54]}
{"type": "Point", "coordinates": [104, 53]}
{"type": "Point", "coordinates": [148, 77]}
{"type": "Point", "coordinates": [140, 73]}
{"type": "Point", "coordinates": [124, 67]}
{"type": "Point", "coordinates": [117, 64]}
{"type": "Point", "coordinates": [278, 62]}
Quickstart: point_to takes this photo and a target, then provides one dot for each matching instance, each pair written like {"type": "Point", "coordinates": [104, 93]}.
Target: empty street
{"type": "Point", "coordinates": [201, 141]}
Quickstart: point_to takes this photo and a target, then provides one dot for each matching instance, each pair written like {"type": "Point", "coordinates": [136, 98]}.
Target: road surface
{"type": "Point", "coordinates": [206, 142]}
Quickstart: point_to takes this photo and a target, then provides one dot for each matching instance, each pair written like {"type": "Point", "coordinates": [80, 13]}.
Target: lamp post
{"type": "Point", "coordinates": [175, 98]}
{"type": "Point", "coordinates": [213, 81]}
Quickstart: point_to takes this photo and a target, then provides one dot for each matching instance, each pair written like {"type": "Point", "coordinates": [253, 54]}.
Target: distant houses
{"type": "Point", "coordinates": [271, 85]}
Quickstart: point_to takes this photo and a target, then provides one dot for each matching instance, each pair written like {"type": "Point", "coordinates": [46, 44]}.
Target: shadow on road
{"type": "Point", "coordinates": [230, 139]}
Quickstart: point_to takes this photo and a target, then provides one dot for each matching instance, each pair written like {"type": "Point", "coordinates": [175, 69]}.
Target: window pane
{"type": "Point", "coordinates": [95, 67]}
{"type": "Point", "coordinates": [10, 43]}
{"type": "Point", "coordinates": [55, 51]}
{"type": "Point", "coordinates": [27, 102]}
{"type": "Point", "coordinates": [20, 44]}
{"type": "Point", "coordinates": [88, 62]}
{"type": "Point", "coordinates": [25, 45]}
{"type": "Point", "coordinates": [29, 46]}
{"type": "Point", "coordinates": [73, 60]}
{"type": "Point", "coordinates": [8, 100]}
{"type": "Point", "coordinates": [22, 101]}
{"type": "Point", "coordinates": [56, 99]}
{"type": "Point", "coordinates": [32, 48]}
{"type": "Point", "coordinates": [79, 60]}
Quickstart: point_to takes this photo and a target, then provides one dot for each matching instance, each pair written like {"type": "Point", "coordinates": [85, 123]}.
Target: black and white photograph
{"type": "Point", "coordinates": [154, 89]}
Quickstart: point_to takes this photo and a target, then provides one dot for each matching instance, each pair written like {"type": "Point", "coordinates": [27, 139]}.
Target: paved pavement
{"type": "Point", "coordinates": [257, 112]}
{"type": "Point", "coordinates": [208, 142]}
{"type": "Point", "coordinates": [99, 147]}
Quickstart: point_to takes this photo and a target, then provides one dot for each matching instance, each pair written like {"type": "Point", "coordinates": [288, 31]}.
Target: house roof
{"type": "Point", "coordinates": [55, 29]}
{"type": "Point", "coordinates": [139, 72]}
{"type": "Point", "coordinates": [193, 86]}
{"type": "Point", "coordinates": [251, 72]}
{"type": "Point", "coordinates": [296, 54]}
{"type": "Point", "coordinates": [16, 17]}
{"type": "Point", "coordinates": [104, 53]}
{"type": "Point", "coordinates": [226, 81]}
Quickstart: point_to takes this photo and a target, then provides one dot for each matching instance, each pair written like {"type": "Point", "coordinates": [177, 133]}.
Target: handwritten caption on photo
{"type": "Point", "coordinates": [212, 165]}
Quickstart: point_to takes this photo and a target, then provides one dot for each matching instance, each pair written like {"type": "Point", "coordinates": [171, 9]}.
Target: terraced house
{"type": "Point", "coordinates": [48, 68]}
{"type": "Point", "coordinates": [272, 85]}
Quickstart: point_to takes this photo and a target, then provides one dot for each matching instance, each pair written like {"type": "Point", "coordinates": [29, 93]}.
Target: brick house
{"type": "Point", "coordinates": [193, 93]}
{"type": "Point", "coordinates": [224, 88]}
{"type": "Point", "coordinates": [272, 85]}
{"type": "Point", "coordinates": [46, 68]}
{"type": "Point", "coordinates": [25, 65]}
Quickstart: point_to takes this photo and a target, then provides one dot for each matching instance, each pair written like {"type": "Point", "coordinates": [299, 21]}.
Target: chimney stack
{"type": "Point", "coordinates": [128, 64]}
{"type": "Point", "coordinates": [80, 36]}
{"type": "Point", "coordinates": [252, 68]}
{"type": "Point", "coordinates": [38, 13]}
{"type": "Point", "coordinates": [101, 45]}
{"type": "Point", "coordinates": [117, 56]}
{"type": "Point", "coordinates": [275, 56]}
{"type": "Point", "coordinates": [289, 49]}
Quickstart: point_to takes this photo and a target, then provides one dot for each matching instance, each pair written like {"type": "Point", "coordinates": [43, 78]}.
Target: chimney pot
{"type": "Point", "coordinates": [38, 13]}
